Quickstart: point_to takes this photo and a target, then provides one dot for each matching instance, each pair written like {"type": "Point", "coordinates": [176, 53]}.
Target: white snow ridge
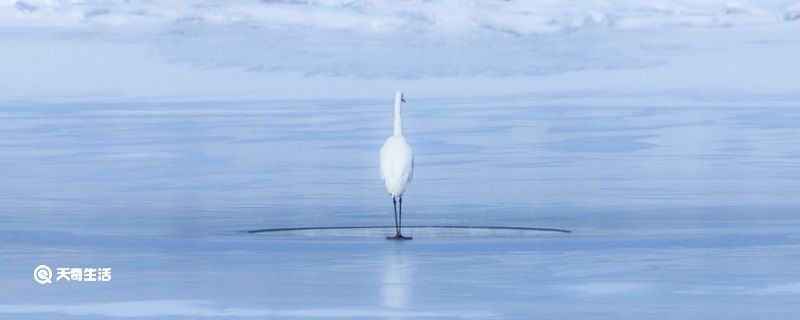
{"type": "Point", "coordinates": [513, 17]}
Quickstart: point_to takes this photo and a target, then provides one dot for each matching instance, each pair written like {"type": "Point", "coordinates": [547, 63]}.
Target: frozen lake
{"type": "Point", "coordinates": [675, 211]}
{"type": "Point", "coordinates": [151, 136]}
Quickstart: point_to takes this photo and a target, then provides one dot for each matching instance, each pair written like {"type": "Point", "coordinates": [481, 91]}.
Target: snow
{"type": "Point", "coordinates": [123, 50]}
{"type": "Point", "coordinates": [517, 17]}
{"type": "Point", "coordinates": [150, 137]}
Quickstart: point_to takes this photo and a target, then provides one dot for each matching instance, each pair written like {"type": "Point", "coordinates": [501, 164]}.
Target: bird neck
{"type": "Point", "coordinates": [398, 119]}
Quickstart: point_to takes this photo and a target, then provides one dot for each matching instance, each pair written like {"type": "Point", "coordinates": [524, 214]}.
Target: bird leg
{"type": "Point", "coordinates": [396, 222]}
{"type": "Point", "coordinates": [400, 220]}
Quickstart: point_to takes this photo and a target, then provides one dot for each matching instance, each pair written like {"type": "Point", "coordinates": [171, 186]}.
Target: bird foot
{"type": "Point", "coordinates": [399, 237]}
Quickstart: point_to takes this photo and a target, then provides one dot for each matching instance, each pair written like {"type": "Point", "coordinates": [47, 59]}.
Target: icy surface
{"type": "Point", "coordinates": [676, 212]}
{"type": "Point", "coordinates": [149, 137]}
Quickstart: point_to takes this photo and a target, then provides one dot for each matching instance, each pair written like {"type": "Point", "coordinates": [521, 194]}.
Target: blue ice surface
{"type": "Point", "coordinates": [150, 136]}
{"type": "Point", "coordinates": [676, 212]}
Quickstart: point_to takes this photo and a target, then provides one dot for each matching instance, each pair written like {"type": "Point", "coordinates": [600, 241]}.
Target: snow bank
{"type": "Point", "coordinates": [117, 50]}
{"type": "Point", "coordinates": [515, 17]}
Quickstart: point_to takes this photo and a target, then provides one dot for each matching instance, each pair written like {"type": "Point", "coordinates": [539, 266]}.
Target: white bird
{"type": "Point", "coordinates": [397, 165]}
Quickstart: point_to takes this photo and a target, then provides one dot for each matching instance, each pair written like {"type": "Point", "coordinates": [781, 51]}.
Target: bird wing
{"type": "Point", "coordinates": [397, 161]}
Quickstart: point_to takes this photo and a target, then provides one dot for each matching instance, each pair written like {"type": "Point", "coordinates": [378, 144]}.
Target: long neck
{"type": "Point", "coordinates": [398, 120]}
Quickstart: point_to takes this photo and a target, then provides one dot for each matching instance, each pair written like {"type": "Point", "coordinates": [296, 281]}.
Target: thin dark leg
{"type": "Point", "coordinates": [400, 220]}
{"type": "Point", "coordinates": [396, 221]}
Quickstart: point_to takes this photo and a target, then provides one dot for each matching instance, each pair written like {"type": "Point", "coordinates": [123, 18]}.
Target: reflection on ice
{"type": "Point", "coordinates": [396, 288]}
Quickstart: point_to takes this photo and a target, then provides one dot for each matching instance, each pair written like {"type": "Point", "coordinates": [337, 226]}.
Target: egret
{"type": "Point", "coordinates": [397, 166]}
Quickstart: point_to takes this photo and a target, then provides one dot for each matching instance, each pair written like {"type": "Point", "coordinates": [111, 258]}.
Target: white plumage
{"type": "Point", "coordinates": [397, 163]}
